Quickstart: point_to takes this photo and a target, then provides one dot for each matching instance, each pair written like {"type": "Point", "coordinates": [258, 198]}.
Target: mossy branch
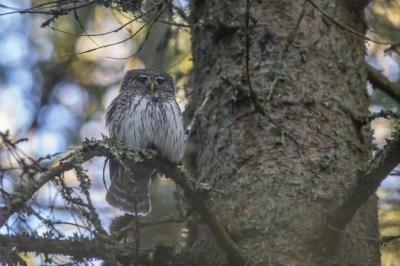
{"type": "Point", "coordinates": [112, 148]}
{"type": "Point", "coordinates": [79, 249]}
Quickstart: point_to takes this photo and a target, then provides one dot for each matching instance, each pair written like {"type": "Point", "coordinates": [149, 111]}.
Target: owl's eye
{"type": "Point", "coordinates": [160, 80]}
{"type": "Point", "coordinates": [142, 79]}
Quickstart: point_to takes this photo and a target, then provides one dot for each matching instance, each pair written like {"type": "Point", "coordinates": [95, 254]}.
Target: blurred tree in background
{"type": "Point", "coordinates": [61, 63]}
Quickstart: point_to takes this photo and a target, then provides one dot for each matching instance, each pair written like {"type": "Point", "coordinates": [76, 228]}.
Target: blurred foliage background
{"type": "Point", "coordinates": [57, 100]}
{"type": "Point", "coordinates": [55, 93]}
{"type": "Point", "coordinates": [383, 18]}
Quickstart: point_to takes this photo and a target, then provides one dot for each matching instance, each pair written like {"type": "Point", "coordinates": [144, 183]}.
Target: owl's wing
{"type": "Point", "coordinates": [115, 113]}
{"type": "Point", "coordinates": [121, 193]}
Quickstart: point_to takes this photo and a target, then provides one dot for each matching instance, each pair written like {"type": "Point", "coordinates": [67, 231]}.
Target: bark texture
{"type": "Point", "coordinates": [279, 195]}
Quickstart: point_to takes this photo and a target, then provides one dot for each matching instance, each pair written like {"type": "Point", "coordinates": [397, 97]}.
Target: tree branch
{"type": "Point", "coordinates": [18, 200]}
{"type": "Point", "coordinates": [79, 249]}
{"type": "Point", "coordinates": [379, 168]}
{"type": "Point", "coordinates": [351, 30]}
{"type": "Point", "coordinates": [110, 148]}
{"type": "Point", "coordinates": [378, 80]}
{"type": "Point", "coordinates": [196, 201]}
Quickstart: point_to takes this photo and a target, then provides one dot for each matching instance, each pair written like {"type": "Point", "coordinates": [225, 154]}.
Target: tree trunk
{"type": "Point", "coordinates": [282, 176]}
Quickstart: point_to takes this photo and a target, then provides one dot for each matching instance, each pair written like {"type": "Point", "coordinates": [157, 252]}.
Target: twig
{"type": "Point", "coordinates": [344, 27]}
{"type": "Point", "coordinates": [56, 11]}
{"type": "Point", "coordinates": [150, 26]}
{"type": "Point", "coordinates": [129, 37]}
{"type": "Point", "coordinates": [386, 240]}
{"type": "Point", "coordinates": [76, 16]}
{"type": "Point", "coordinates": [181, 12]}
{"type": "Point", "coordinates": [105, 33]}
{"type": "Point", "coordinates": [198, 113]}
{"type": "Point", "coordinates": [292, 36]}
{"type": "Point", "coordinates": [108, 45]}
{"type": "Point", "coordinates": [383, 114]}
{"type": "Point", "coordinates": [271, 89]}
{"type": "Point", "coordinates": [257, 107]}
{"type": "Point", "coordinates": [378, 80]}
{"type": "Point", "coordinates": [124, 224]}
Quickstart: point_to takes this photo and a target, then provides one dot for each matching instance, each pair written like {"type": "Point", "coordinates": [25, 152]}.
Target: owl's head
{"type": "Point", "coordinates": [149, 82]}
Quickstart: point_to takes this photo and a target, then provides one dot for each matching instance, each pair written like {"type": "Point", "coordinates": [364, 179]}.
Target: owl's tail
{"type": "Point", "coordinates": [121, 193]}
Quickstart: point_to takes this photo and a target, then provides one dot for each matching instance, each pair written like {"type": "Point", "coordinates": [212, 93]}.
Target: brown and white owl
{"type": "Point", "coordinates": [144, 114]}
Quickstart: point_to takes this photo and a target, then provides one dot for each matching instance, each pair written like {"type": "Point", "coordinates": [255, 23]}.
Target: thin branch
{"type": "Point", "coordinates": [293, 34]}
{"type": "Point", "coordinates": [110, 44]}
{"type": "Point", "coordinates": [53, 12]}
{"type": "Point", "coordinates": [199, 112]}
{"type": "Point", "coordinates": [150, 26]}
{"type": "Point", "coordinates": [257, 106]}
{"type": "Point", "coordinates": [344, 27]}
{"type": "Point", "coordinates": [23, 11]}
{"type": "Point", "coordinates": [379, 168]}
{"type": "Point", "coordinates": [180, 12]}
{"type": "Point", "coordinates": [381, 82]}
{"type": "Point", "coordinates": [108, 32]}
{"type": "Point", "coordinates": [122, 225]}
{"type": "Point", "coordinates": [383, 114]}
{"type": "Point", "coordinates": [387, 240]}
{"type": "Point", "coordinates": [76, 16]}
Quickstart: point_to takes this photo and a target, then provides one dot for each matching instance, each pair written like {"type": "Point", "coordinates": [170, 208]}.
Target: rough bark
{"type": "Point", "coordinates": [312, 83]}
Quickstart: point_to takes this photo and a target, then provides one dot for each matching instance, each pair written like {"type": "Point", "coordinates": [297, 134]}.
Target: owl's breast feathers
{"type": "Point", "coordinates": [143, 122]}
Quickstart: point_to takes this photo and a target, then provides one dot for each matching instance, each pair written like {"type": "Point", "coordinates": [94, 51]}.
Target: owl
{"type": "Point", "coordinates": [145, 114]}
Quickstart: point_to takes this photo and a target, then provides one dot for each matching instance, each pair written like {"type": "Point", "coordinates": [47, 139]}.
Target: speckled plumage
{"type": "Point", "coordinates": [143, 115]}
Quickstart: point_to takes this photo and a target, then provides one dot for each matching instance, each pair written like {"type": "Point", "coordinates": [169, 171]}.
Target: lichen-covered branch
{"type": "Point", "coordinates": [78, 249]}
{"type": "Point", "coordinates": [18, 199]}
{"type": "Point", "coordinates": [112, 148]}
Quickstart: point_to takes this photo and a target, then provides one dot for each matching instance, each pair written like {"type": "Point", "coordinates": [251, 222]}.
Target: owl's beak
{"type": "Point", "coordinates": [152, 88]}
